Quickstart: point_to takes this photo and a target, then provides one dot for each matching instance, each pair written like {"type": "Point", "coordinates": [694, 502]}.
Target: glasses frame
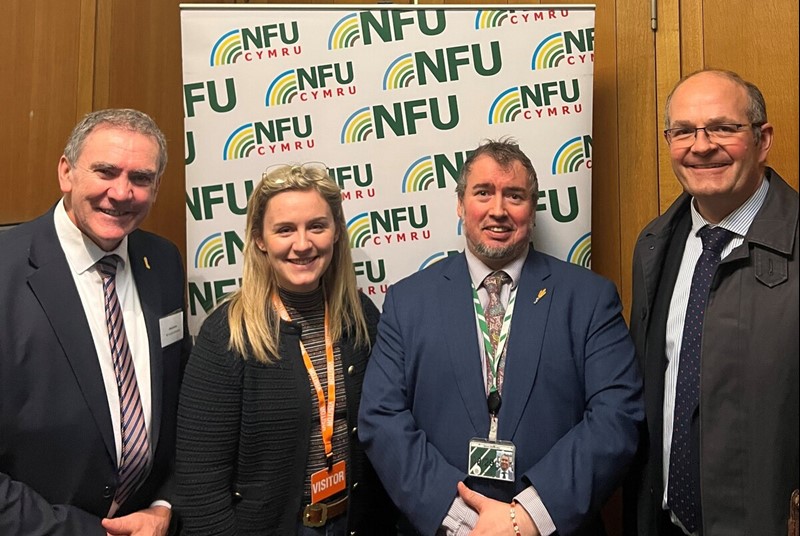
{"type": "Point", "coordinates": [312, 164]}
{"type": "Point", "coordinates": [689, 141]}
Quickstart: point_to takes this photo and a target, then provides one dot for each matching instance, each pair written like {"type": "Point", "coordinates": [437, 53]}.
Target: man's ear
{"type": "Point", "coordinates": [65, 170]}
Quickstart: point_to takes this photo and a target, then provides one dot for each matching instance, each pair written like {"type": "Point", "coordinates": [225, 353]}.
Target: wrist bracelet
{"type": "Point", "coordinates": [513, 514]}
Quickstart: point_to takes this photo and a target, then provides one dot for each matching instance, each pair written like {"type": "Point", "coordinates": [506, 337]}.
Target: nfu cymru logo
{"type": "Point", "coordinates": [494, 18]}
{"type": "Point", "coordinates": [311, 84]}
{"type": "Point", "coordinates": [375, 273]}
{"type": "Point", "coordinates": [539, 101]}
{"type": "Point", "coordinates": [581, 251]}
{"type": "Point", "coordinates": [387, 226]}
{"type": "Point", "coordinates": [259, 43]}
{"type": "Point", "coordinates": [442, 65]}
{"type": "Point", "coordinates": [401, 118]}
{"type": "Point", "coordinates": [269, 138]}
{"type": "Point", "coordinates": [218, 247]}
{"type": "Point", "coordinates": [384, 26]}
{"type": "Point", "coordinates": [572, 154]}
{"type": "Point", "coordinates": [433, 172]}
{"type": "Point", "coordinates": [571, 47]}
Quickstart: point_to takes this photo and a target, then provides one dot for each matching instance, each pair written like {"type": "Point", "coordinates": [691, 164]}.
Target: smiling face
{"type": "Point", "coordinates": [109, 190]}
{"type": "Point", "coordinates": [497, 211]}
{"type": "Point", "coordinates": [721, 177]}
{"type": "Point", "coordinates": [298, 237]}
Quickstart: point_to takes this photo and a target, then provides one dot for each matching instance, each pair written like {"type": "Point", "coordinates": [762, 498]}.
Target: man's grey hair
{"type": "Point", "coordinates": [122, 118]}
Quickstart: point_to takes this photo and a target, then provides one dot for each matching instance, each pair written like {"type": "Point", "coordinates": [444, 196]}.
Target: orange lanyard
{"type": "Point", "coordinates": [325, 409]}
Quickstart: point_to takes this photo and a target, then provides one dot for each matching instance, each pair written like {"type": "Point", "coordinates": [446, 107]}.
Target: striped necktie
{"type": "Point", "coordinates": [135, 461]}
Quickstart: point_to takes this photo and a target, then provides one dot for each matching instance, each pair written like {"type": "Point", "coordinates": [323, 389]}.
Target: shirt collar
{"type": "Point", "coordinates": [739, 220]}
{"type": "Point", "coordinates": [478, 271]}
{"type": "Point", "coordinates": [82, 254]}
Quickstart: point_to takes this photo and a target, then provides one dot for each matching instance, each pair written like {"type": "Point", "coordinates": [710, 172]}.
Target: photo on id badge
{"type": "Point", "coordinates": [491, 460]}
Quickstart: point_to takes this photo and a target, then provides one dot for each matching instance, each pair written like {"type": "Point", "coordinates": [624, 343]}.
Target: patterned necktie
{"type": "Point", "coordinates": [494, 318]}
{"type": "Point", "coordinates": [135, 461]}
{"type": "Point", "coordinates": [683, 494]}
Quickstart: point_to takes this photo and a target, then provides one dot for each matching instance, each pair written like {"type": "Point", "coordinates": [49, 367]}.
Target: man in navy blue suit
{"type": "Point", "coordinates": [501, 349]}
{"type": "Point", "coordinates": [75, 394]}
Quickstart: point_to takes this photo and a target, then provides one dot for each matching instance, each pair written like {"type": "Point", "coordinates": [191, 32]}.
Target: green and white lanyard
{"type": "Point", "coordinates": [494, 357]}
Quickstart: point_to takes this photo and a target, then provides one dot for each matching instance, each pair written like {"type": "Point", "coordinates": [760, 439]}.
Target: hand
{"type": "Point", "coordinates": [153, 521]}
{"type": "Point", "coordinates": [494, 516]}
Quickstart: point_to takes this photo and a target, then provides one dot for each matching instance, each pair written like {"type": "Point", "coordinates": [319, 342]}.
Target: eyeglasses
{"type": "Point", "coordinates": [295, 169]}
{"type": "Point", "coordinates": [721, 134]}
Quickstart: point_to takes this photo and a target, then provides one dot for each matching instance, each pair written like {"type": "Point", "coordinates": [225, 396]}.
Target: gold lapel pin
{"type": "Point", "coordinates": [540, 296]}
{"type": "Point", "coordinates": [146, 263]}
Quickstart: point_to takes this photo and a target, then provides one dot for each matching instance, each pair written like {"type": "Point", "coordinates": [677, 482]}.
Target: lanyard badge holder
{"type": "Point", "coordinates": [331, 480]}
{"type": "Point", "coordinates": [488, 457]}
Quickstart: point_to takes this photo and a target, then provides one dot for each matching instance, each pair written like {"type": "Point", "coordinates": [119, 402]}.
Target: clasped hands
{"type": "Point", "coordinates": [494, 517]}
{"type": "Point", "coordinates": [153, 521]}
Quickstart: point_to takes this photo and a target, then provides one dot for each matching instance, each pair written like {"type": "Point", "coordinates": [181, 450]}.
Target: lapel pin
{"type": "Point", "coordinates": [146, 263]}
{"type": "Point", "coordinates": [540, 296]}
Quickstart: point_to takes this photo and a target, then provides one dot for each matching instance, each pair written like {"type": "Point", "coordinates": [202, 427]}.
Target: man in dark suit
{"type": "Point", "coordinates": [442, 396]}
{"type": "Point", "coordinates": [721, 389]}
{"type": "Point", "coordinates": [92, 344]}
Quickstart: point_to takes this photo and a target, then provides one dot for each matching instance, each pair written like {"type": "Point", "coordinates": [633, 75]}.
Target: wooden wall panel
{"type": "Point", "coordinates": [139, 66]}
{"type": "Point", "coordinates": [761, 44]}
{"type": "Point", "coordinates": [40, 97]}
{"type": "Point", "coordinates": [638, 130]}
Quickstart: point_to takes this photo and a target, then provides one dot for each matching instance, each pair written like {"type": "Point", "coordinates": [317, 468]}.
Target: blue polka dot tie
{"type": "Point", "coordinates": [683, 494]}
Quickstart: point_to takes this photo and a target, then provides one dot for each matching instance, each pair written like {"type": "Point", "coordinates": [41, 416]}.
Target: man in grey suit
{"type": "Point", "coordinates": [721, 394]}
{"type": "Point", "coordinates": [92, 344]}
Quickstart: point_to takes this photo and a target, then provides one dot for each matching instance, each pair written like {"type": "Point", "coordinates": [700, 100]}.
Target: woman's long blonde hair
{"type": "Point", "coordinates": [254, 325]}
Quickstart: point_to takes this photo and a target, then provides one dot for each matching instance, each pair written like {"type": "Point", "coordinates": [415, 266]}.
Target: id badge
{"type": "Point", "coordinates": [326, 483]}
{"type": "Point", "coordinates": [492, 459]}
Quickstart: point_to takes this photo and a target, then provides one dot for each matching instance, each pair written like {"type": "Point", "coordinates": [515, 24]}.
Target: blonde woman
{"type": "Point", "coordinates": [267, 439]}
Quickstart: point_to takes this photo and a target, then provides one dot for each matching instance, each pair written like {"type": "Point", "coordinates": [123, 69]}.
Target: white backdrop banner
{"type": "Point", "coordinates": [392, 99]}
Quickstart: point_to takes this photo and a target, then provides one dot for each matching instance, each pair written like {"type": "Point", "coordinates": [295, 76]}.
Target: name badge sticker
{"type": "Point", "coordinates": [171, 327]}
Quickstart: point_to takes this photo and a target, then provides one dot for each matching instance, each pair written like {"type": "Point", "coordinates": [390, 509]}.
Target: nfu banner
{"type": "Point", "coordinates": [392, 100]}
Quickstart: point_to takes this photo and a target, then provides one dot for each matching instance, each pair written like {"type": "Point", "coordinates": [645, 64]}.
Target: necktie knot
{"type": "Point", "coordinates": [495, 281]}
{"type": "Point", "coordinates": [715, 238]}
{"type": "Point", "coordinates": [107, 266]}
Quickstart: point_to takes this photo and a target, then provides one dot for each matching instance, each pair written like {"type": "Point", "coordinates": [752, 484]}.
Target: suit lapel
{"type": "Point", "coordinates": [460, 333]}
{"type": "Point", "coordinates": [52, 283]}
{"type": "Point", "coordinates": [525, 341]}
{"type": "Point", "coordinates": [147, 276]}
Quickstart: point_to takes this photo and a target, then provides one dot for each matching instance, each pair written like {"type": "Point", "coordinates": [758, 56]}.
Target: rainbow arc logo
{"type": "Point", "coordinates": [240, 143]}
{"type": "Point", "coordinates": [359, 230]}
{"type": "Point", "coordinates": [419, 176]}
{"type": "Point", "coordinates": [506, 107]}
{"type": "Point", "coordinates": [210, 252]}
{"type": "Point", "coordinates": [571, 155]}
{"type": "Point", "coordinates": [400, 73]}
{"type": "Point", "coordinates": [227, 49]}
{"type": "Point", "coordinates": [433, 259]}
{"type": "Point", "coordinates": [549, 53]}
{"type": "Point", "coordinates": [581, 251]}
{"type": "Point", "coordinates": [358, 126]}
{"type": "Point", "coordinates": [489, 18]}
{"type": "Point", "coordinates": [345, 33]}
{"type": "Point", "coordinates": [283, 89]}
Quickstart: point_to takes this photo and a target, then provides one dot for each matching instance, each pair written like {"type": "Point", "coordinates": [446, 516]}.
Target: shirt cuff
{"type": "Point", "coordinates": [529, 499]}
{"type": "Point", "coordinates": [165, 504]}
{"type": "Point", "coordinates": [460, 519]}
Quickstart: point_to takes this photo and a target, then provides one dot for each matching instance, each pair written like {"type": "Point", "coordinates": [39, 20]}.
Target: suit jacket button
{"type": "Point", "coordinates": [355, 485]}
{"type": "Point", "coordinates": [237, 496]}
{"type": "Point", "coordinates": [351, 370]}
{"type": "Point", "coordinates": [354, 431]}
{"type": "Point", "coordinates": [108, 492]}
